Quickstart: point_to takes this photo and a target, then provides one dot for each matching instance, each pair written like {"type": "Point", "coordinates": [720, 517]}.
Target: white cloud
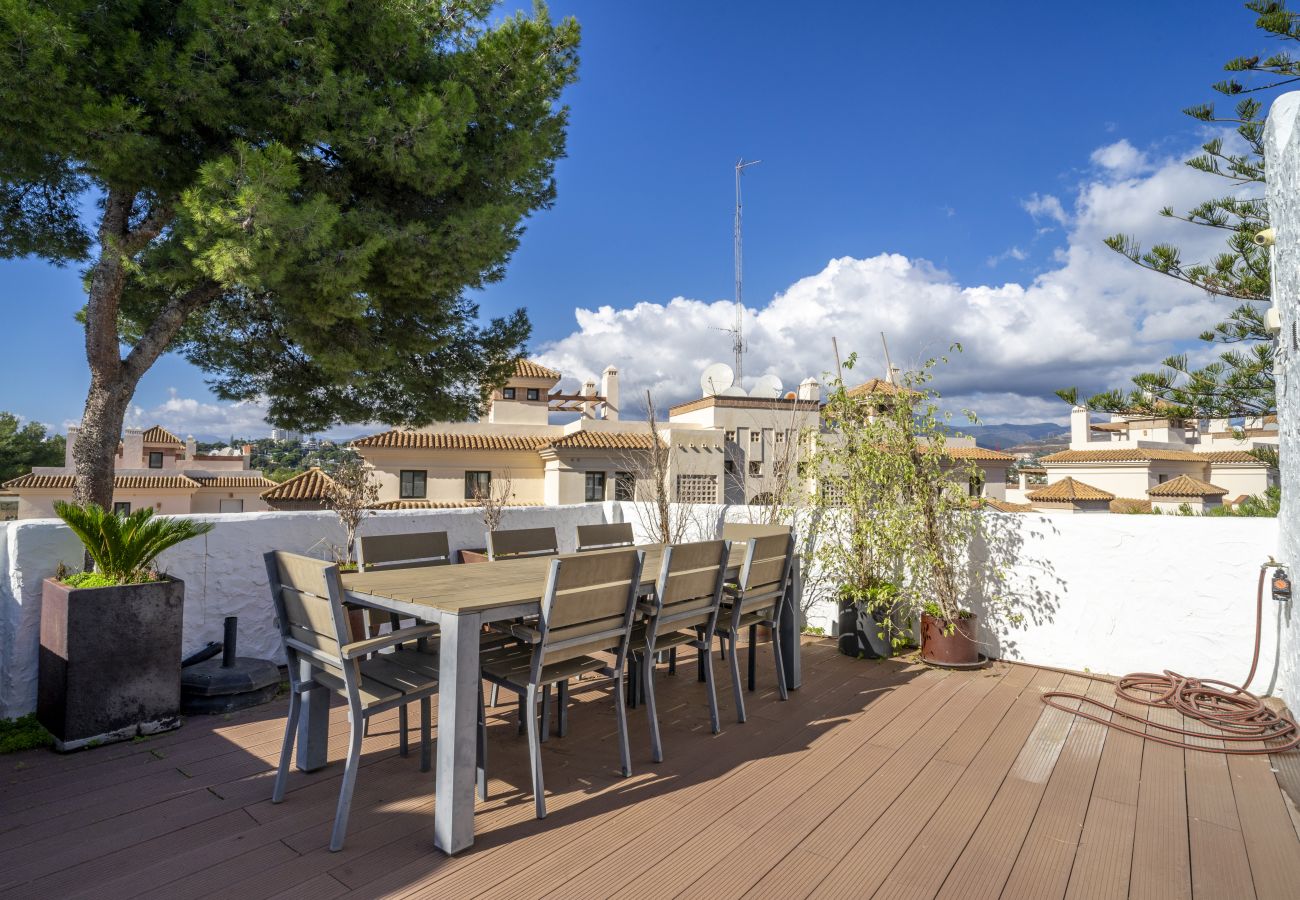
{"type": "Point", "coordinates": [1010, 253]}
{"type": "Point", "coordinates": [1121, 158]}
{"type": "Point", "coordinates": [204, 419]}
{"type": "Point", "coordinates": [1093, 320]}
{"type": "Point", "coordinates": [1045, 206]}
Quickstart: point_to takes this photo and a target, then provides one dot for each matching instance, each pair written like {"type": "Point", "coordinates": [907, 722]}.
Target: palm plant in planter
{"type": "Point", "coordinates": [111, 637]}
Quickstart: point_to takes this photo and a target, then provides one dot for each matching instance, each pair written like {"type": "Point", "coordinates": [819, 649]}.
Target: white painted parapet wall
{"type": "Point", "coordinates": [1113, 594]}
{"type": "Point", "coordinates": [1282, 163]}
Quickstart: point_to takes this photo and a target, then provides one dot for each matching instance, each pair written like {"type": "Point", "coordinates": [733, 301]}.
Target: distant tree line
{"type": "Point", "coordinates": [23, 446]}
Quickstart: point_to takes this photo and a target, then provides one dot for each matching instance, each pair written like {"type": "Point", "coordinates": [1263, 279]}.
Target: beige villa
{"type": "Point", "coordinates": [157, 469]}
{"type": "Point", "coordinates": [1141, 463]}
{"type": "Point", "coordinates": [724, 447]}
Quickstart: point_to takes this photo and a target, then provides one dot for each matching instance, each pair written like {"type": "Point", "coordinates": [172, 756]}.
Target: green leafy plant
{"type": "Point", "coordinates": [24, 733]}
{"type": "Point", "coordinates": [124, 547]}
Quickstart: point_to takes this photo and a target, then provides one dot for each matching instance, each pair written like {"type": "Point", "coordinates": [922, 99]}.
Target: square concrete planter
{"type": "Point", "coordinates": [110, 662]}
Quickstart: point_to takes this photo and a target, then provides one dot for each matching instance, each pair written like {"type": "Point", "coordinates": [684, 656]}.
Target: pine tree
{"type": "Point", "coordinates": [295, 196]}
{"type": "Point", "coordinates": [1240, 381]}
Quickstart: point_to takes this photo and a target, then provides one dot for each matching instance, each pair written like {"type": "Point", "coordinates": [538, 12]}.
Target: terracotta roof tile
{"type": "Point", "coordinates": [232, 481]}
{"type": "Point", "coordinates": [1130, 505]}
{"type": "Point", "coordinates": [976, 453]}
{"type": "Point", "coordinates": [452, 440]}
{"type": "Point", "coordinates": [1006, 506]}
{"type": "Point", "coordinates": [1186, 486]}
{"type": "Point", "coordinates": [526, 368]}
{"type": "Point", "coordinates": [309, 485]}
{"type": "Point", "coordinates": [160, 435]}
{"type": "Point", "coordinates": [603, 440]}
{"type": "Point", "coordinates": [876, 387]}
{"type": "Point", "coordinates": [31, 481]}
{"type": "Point", "coordinates": [1067, 490]}
{"type": "Point", "coordinates": [1148, 454]}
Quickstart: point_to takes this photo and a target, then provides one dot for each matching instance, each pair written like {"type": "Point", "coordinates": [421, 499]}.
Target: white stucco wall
{"type": "Point", "coordinates": [1112, 594]}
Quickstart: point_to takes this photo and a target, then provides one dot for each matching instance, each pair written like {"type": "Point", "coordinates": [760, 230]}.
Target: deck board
{"type": "Point", "coordinates": [884, 779]}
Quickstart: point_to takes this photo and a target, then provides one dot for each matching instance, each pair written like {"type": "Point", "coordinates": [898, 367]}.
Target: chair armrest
{"type": "Point", "coordinates": [526, 634]}
{"type": "Point", "coordinates": [401, 636]}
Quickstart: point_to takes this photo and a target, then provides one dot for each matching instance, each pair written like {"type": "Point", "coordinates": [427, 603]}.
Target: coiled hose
{"type": "Point", "coordinates": [1230, 713]}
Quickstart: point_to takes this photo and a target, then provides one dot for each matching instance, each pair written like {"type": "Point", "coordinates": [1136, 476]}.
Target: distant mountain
{"type": "Point", "coordinates": [1000, 437]}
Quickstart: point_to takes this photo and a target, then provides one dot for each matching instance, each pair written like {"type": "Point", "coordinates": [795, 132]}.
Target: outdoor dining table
{"type": "Point", "coordinates": [461, 599]}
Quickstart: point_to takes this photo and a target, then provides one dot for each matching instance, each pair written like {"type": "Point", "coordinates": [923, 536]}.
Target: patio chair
{"type": "Point", "coordinates": [587, 607]}
{"type": "Point", "coordinates": [682, 612]}
{"type": "Point", "coordinates": [519, 543]}
{"type": "Point", "coordinates": [380, 552]}
{"type": "Point", "coordinates": [757, 600]}
{"type": "Point", "coordinates": [321, 654]}
{"type": "Point", "coordinates": [743, 531]}
{"type": "Point", "coordinates": [605, 537]}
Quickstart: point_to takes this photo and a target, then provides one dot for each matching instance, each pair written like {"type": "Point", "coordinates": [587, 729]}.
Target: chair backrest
{"type": "Point", "coordinates": [689, 588]}
{"type": "Point", "coordinates": [308, 606]}
{"type": "Point", "coordinates": [743, 531]}
{"type": "Point", "coordinates": [404, 551]}
{"type": "Point", "coordinates": [588, 606]}
{"type": "Point", "coordinates": [765, 572]}
{"type": "Point", "coordinates": [603, 537]}
{"type": "Point", "coordinates": [519, 542]}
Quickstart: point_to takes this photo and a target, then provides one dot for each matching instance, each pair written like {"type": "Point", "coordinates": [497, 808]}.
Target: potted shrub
{"type": "Point", "coordinates": [110, 656]}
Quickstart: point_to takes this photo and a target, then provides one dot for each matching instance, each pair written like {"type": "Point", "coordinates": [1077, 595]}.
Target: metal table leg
{"type": "Point", "coordinates": [789, 628]}
{"type": "Point", "coordinates": [313, 726]}
{"type": "Point", "coordinates": [458, 698]}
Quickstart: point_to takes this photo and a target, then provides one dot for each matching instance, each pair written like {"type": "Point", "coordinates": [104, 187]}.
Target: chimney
{"type": "Point", "coordinates": [133, 449]}
{"type": "Point", "coordinates": [70, 445]}
{"type": "Point", "coordinates": [247, 451]}
{"type": "Point", "coordinates": [1079, 433]}
{"type": "Point", "coordinates": [809, 389]}
{"type": "Point", "coordinates": [609, 390]}
{"type": "Point", "coordinates": [589, 406]}
{"type": "Point", "coordinates": [191, 447]}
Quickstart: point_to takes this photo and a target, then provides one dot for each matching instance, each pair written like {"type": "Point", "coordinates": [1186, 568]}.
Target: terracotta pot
{"type": "Point", "coordinates": [473, 556]}
{"type": "Point", "coordinates": [943, 649]}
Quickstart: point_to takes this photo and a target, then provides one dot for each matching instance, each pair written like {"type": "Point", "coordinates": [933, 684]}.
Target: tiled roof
{"type": "Point", "coordinates": [31, 481]}
{"type": "Point", "coordinates": [1109, 426]}
{"type": "Point", "coordinates": [526, 368]}
{"type": "Point", "coordinates": [603, 440]}
{"type": "Point", "coordinates": [452, 440]}
{"type": "Point", "coordinates": [1032, 470]}
{"type": "Point", "coordinates": [1130, 505]}
{"type": "Point", "coordinates": [438, 504]}
{"type": "Point", "coordinates": [1148, 454]}
{"type": "Point", "coordinates": [726, 402]}
{"type": "Point", "coordinates": [876, 387]}
{"type": "Point", "coordinates": [1186, 486]}
{"type": "Point", "coordinates": [976, 453]}
{"type": "Point", "coordinates": [1067, 490]}
{"type": "Point", "coordinates": [160, 435]}
{"type": "Point", "coordinates": [232, 481]}
{"type": "Point", "coordinates": [310, 485]}
{"type": "Point", "coordinates": [1006, 506]}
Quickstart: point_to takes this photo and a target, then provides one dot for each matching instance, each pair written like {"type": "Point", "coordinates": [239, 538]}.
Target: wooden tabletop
{"type": "Point", "coordinates": [475, 587]}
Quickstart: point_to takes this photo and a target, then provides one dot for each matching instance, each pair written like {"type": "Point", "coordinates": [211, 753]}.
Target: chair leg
{"type": "Point", "coordinates": [522, 725]}
{"type": "Point", "coordinates": [349, 782]}
{"type": "Point", "coordinates": [402, 748]}
{"type": "Point", "coordinates": [620, 711]}
{"type": "Point", "coordinates": [562, 709]}
{"type": "Point", "coordinates": [545, 733]}
{"type": "Point", "coordinates": [700, 657]}
{"type": "Point", "coordinates": [481, 749]}
{"type": "Point", "coordinates": [630, 680]}
{"type": "Point", "coordinates": [753, 639]}
{"type": "Point", "coordinates": [648, 676]}
{"type": "Point", "coordinates": [713, 694]}
{"type": "Point", "coordinates": [780, 665]}
{"type": "Point", "coordinates": [672, 661]}
{"type": "Point", "coordinates": [496, 694]}
{"type": "Point", "coordinates": [426, 736]}
{"type": "Point", "coordinates": [735, 682]}
{"type": "Point", "coordinates": [535, 753]}
{"type": "Point", "coordinates": [286, 751]}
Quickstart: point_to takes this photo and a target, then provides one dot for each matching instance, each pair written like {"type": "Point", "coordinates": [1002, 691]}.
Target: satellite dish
{"type": "Point", "coordinates": [734, 391]}
{"type": "Point", "coordinates": [716, 379]}
{"type": "Point", "coordinates": [767, 387]}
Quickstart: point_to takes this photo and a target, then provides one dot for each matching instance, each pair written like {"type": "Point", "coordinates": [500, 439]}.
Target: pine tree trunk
{"type": "Point", "coordinates": [94, 455]}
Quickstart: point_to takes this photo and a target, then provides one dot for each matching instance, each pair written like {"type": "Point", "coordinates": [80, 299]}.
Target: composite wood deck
{"type": "Point", "coordinates": [877, 779]}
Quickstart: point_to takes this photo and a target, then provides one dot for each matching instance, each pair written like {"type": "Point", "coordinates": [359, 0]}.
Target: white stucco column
{"type": "Point", "coordinates": [1282, 168]}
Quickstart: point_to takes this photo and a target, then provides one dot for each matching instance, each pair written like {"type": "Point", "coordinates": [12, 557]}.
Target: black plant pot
{"type": "Point", "coordinates": [853, 640]}
{"type": "Point", "coordinates": [110, 662]}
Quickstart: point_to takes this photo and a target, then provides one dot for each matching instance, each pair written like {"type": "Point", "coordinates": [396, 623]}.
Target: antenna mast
{"type": "Point", "coordinates": [890, 369]}
{"type": "Point", "coordinates": [737, 335]}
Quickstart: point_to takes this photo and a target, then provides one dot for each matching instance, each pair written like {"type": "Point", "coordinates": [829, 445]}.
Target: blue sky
{"type": "Point", "coordinates": [925, 131]}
